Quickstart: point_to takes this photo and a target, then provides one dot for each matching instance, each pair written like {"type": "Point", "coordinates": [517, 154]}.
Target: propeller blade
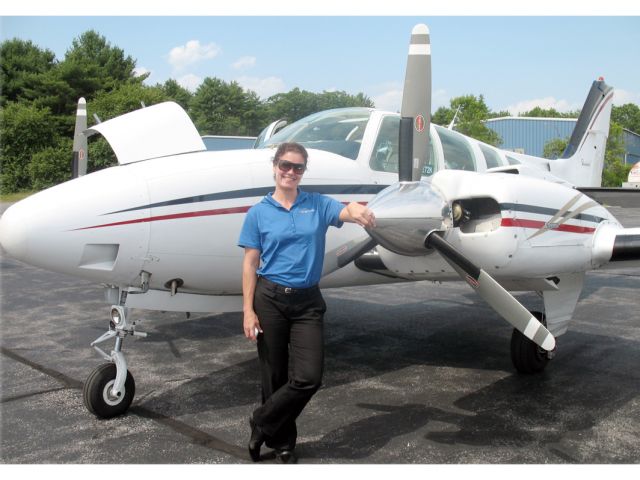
{"type": "Point", "coordinates": [416, 105]}
{"type": "Point", "coordinates": [493, 293]}
{"type": "Point", "coordinates": [345, 254]}
{"type": "Point", "coordinates": [80, 150]}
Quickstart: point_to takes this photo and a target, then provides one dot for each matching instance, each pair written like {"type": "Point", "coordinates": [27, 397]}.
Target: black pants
{"type": "Point", "coordinates": [291, 352]}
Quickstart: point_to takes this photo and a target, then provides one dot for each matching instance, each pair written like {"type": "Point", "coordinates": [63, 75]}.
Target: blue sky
{"type": "Point", "coordinates": [516, 62]}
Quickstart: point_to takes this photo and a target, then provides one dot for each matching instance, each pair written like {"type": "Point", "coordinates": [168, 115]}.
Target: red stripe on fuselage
{"type": "Point", "coordinates": [174, 216]}
{"type": "Point", "coordinates": [516, 222]}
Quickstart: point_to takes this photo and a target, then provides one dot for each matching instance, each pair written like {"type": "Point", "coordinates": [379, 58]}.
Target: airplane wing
{"type": "Point", "coordinates": [619, 197]}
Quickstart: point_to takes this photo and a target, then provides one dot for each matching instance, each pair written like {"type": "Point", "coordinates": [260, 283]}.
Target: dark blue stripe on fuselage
{"type": "Point", "coordinates": [333, 190]}
{"type": "Point", "coordinates": [547, 211]}
{"type": "Point", "coordinates": [261, 192]}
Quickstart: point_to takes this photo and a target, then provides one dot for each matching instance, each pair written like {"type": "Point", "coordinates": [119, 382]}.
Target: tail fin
{"type": "Point", "coordinates": [80, 151]}
{"type": "Point", "coordinates": [583, 159]}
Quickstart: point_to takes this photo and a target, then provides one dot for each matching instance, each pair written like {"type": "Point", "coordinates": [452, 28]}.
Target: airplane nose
{"type": "Point", "coordinates": [13, 232]}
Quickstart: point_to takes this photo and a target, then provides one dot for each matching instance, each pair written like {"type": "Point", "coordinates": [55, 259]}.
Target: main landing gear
{"type": "Point", "coordinates": [526, 356]}
{"type": "Point", "coordinates": [109, 389]}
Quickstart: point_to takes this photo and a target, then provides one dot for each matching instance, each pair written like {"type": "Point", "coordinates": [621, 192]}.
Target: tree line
{"type": "Point", "coordinates": [39, 96]}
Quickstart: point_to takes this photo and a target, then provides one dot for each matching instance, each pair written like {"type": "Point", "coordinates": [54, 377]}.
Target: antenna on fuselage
{"type": "Point", "coordinates": [453, 121]}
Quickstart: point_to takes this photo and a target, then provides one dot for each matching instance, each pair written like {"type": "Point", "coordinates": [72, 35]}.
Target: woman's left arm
{"type": "Point", "coordinates": [358, 213]}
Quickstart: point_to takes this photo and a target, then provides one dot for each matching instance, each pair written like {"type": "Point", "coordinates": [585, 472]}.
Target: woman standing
{"type": "Point", "coordinates": [284, 240]}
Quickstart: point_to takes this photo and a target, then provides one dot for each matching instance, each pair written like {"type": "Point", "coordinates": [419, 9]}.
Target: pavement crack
{"type": "Point", "coordinates": [32, 394]}
{"type": "Point", "coordinates": [59, 376]}
{"type": "Point", "coordinates": [196, 435]}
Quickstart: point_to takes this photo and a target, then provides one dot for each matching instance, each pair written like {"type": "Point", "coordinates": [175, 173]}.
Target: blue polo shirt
{"type": "Point", "coordinates": [291, 242]}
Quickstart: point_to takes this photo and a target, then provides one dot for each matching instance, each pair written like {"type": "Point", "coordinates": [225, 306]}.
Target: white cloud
{"type": "Point", "coordinates": [389, 97]}
{"type": "Point", "coordinates": [440, 98]}
{"type": "Point", "coordinates": [545, 103]}
{"type": "Point", "coordinates": [190, 82]}
{"type": "Point", "coordinates": [139, 71]}
{"type": "Point", "coordinates": [264, 87]}
{"type": "Point", "coordinates": [190, 53]}
{"type": "Point", "coordinates": [389, 100]}
{"type": "Point", "coordinates": [620, 97]}
{"type": "Point", "coordinates": [244, 62]}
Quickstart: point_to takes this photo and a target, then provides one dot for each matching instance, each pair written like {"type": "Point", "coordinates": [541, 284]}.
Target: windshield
{"type": "Point", "coordinates": [337, 131]}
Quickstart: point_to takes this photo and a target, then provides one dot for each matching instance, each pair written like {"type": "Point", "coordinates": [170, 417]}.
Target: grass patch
{"type": "Point", "coordinates": [14, 197]}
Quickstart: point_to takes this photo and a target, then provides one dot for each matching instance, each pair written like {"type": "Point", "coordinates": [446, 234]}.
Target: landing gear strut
{"type": "Point", "coordinates": [526, 356]}
{"type": "Point", "coordinates": [110, 388]}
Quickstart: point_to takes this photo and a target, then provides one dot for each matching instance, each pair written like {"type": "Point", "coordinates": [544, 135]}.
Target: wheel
{"type": "Point", "coordinates": [526, 356]}
{"type": "Point", "coordinates": [97, 388]}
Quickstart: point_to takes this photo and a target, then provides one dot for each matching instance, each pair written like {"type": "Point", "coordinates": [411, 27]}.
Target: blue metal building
{"type": "Point", "coordinates": [631, 147]}
{"type": "Point", "coordinates": [530, 134]}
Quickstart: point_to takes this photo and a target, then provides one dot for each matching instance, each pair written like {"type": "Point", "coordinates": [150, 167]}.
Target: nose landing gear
{"type": "Point", "coordinates": [110, 388]}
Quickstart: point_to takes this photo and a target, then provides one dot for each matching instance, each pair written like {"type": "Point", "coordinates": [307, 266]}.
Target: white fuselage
{"type": "Point", "coordinates": [179, 216]}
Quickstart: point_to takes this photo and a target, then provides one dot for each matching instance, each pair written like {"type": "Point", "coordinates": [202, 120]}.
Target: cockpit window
{"type": "Point", "coordinates": [337, 131]}
{"type": "Point", "coordinates": [491, 156]}
{"type": "Point", "coordinates": [457, 151]}
{"type": "Point", "coordinates": [384, 157]}
{"type": "Point", "coordinates": [513, 161]}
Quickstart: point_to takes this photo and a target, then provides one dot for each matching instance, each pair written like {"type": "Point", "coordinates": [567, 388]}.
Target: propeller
{"type": "Point", "coordinates": [80, 149]}
{"type": "Point", "coordinates": [413, 216]}
{"type": "Point", "coordinates": [416, 108]}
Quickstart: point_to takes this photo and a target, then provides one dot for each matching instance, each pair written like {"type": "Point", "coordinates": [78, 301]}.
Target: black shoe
{"type": "Point", "coordinates": [256, 441]}
{"type": "Point", "coordinates": [286, 456]}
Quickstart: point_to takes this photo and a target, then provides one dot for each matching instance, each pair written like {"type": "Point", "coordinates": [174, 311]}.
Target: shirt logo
{"type": "Point", "coordinates": [306, 210]}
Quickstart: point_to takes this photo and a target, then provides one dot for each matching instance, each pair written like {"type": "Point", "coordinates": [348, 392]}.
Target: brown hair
{"type": "Point", "coordinates": [290, 147]}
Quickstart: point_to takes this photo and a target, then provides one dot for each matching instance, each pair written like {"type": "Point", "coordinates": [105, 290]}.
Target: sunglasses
{"type": "Point", "coordinates": [285, 166]}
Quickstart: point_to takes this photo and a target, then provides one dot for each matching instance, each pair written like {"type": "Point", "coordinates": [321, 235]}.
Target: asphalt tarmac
{"type": "Point", "coordinates": [415, 373]}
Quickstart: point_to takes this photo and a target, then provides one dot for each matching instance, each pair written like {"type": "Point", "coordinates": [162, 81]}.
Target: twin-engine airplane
{"type": "Point", "coordinates": [160, 229]}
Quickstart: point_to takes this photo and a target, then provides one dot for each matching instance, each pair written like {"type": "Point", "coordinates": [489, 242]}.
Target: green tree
{"type": "Point", "coordinates": [549, 113]}
{"type": "Point", "coordinates": [51, 166]}
{"type": "Point", "coordinates": [297, 104]}
{"type": "Point", "coordinates": [628, 116]}
{"type": "Point", "coordinates": [173, 91]}
{"type": "Point", "coordinates": [554, 148]}
{"type": "Point", "coordinates": [125, 98]}
{"type": "Point", "coordinates": [221, 108]}
{"type": "Point", "coordinates": [24, 129]}
{"type": "Point", "coordinates": [615, 171]}
{"type": "Point", "coordinates": [92, 65]}
{"type": "Point", "coordinates": [20, 62]}
{"type": "Point", "coordinates": [472, 112]}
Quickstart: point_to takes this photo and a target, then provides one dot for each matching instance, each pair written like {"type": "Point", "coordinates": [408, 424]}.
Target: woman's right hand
{"type": "Point", "coordinates": [251, 325]}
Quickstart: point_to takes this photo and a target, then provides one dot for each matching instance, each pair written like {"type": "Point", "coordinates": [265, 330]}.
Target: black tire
{"type": "Point", "coordinates": [526, 356]}
{"type": "Point", "coordinates": [95, 392]}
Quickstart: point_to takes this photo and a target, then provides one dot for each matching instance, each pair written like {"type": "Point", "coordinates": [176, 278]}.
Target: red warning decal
{"type": "Point", "coordinates": [419, 123]}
